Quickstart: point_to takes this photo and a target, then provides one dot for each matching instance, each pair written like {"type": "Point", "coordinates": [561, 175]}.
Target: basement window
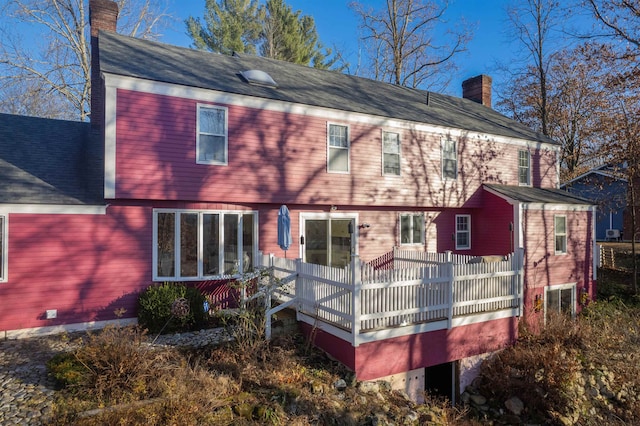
{"type": "Point", "coordinates": [258, 78]}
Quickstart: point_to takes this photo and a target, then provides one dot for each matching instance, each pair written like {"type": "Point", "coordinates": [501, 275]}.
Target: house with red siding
{"type": "Point", "coordinates": [189, 155]}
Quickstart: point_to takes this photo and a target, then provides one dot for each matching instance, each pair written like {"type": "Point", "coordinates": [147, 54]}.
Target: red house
{"type": "Point", "coordinates": [189, 156]}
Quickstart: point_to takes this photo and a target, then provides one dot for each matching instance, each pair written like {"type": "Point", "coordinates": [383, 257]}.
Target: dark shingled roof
{"type": "Point", "coordinates": [527, 194]}
{"type": "Point", "coordinates": [44, 161]}
{"type": "Point", "coordinates": [155, 61]}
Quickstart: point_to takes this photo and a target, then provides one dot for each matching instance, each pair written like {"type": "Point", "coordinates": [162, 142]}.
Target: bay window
{"type": "Point", "coordinates": [191, 244]}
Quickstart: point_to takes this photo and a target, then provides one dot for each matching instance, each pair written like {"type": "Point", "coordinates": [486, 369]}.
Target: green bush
{"type": "Point", "coordinates": [67, 370]}
{"type": "Point", "coordinates": [154, 308]}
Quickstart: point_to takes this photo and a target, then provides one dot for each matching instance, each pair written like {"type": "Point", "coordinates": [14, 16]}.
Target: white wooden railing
{"type": "Point", "coordinates": [358, 302]}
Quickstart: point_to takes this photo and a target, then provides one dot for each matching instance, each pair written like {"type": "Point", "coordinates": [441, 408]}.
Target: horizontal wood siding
{"type": "Point", "coordinates": [542, 266]}
{"type": "Point", "coordinates": [84, 266]}
{"type": "Point", "coordinates": [282, 158]}
{"type": "Point", "coordinates": [396, 355]}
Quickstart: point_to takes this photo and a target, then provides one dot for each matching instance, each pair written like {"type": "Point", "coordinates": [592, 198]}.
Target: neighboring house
{"type": "Point", "coordinates": [191, 154]}
{"type": "Point", "coordinates": [607, 187]}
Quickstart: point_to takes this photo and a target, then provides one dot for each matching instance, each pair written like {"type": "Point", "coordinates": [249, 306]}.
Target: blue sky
{"type": "Point", "coordinates": [338, 25]}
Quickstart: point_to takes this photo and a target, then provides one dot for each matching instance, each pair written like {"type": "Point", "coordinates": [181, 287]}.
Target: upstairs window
{"type": "Point", "coordinates": [3, 248]}
{"type": "Point", "coordinates": [411, 229]}
{"type": "Point", "coordinates": [449, 159]}
{"type": "Point", "coordinates": [390, 153]}
{"type": "Point", "coordinates": [463, 232]}
{"type": "Point", "coordinates": [524, 168]}
{"type": "Point", "coordinates": [560, 232]}
{"type": "Point", "coordinates": [211, 140]}
{"type": "Point", "coordinates": [338, 149]}
{"type": "Point", "coordinates": [194, 245]}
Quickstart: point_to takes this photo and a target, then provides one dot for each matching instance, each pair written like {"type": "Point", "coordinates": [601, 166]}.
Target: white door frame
{"type": "Point", "coordinates": [328, 216]}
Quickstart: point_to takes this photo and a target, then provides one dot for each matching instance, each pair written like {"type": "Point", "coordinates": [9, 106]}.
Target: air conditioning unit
{"type": "Point", "coordinates": [613, 233]}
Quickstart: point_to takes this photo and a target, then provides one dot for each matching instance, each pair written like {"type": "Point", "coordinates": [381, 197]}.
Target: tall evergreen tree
{"type": "Point", "coordinates": [229, 26]}
{"type": "Point", "coordinates": [274, 30]}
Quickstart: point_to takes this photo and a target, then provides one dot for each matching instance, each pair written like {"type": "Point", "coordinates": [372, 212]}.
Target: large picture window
{"type": "Point", "coordinates": [212, 144]}
{"type": "Point", "coordinates": [338, 149]}
{"type": "Point", "coordinates": [524, 167]}
{"type": "Point", "coordinates": [411, 229]}
{"type": "Point", "coordinates": [3, 248]}
{"type": "Point", "coordinates": [463, 231]}
{"type": "Point", "coordinates": [203, 244]}
{"type": "Point", "coordinates": [560, 232]}
{"type": "Point", "coordinates": [449, 159]}
{"type": "Point", "coordinates": [390, 153]}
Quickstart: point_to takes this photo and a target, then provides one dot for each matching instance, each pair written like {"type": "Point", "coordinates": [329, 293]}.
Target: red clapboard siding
{"type": "Point", "coordinates": [282, 158]}
{"type": "Point", "coordinates": [85, 266]}
{"type": "Point", "coordinates": [373, 360]}
{"type": "Point", "coordinates": [543, 266]}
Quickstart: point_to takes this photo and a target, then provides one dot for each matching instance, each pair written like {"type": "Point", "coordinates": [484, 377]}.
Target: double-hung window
{"type": "Point", "coordinates": [192, 244]}
{"type": "Point", "coordinates": [524, 167]}
{"type": "Point", "coordinates": [463, 231]}
{"type": "Point", "coordinates": [449, 159]}
{"type": "Point", "coordinates": [212, 140]}
{"type": "Point", "coordinates": [390, 153]}
{"type": "Point", "coordinates": [560, 233]}
{"type": "Point", "coordinates": [338, 148]}
{"type": "Point", "coordinates": [411, 229]}
{"type": "Point", "coordinates": [3, 248]}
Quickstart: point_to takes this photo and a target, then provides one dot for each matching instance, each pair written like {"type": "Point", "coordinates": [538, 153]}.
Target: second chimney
{"type": "Point", "coordinates": [478, 89]}
{"type": "Point", "coordinates": [103, 15]}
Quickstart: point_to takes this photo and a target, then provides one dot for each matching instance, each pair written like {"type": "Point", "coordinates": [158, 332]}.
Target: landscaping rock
{"type": "Point", "coordinates": [515, 405]}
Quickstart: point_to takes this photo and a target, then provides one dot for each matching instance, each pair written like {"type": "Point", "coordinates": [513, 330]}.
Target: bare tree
{"type": "Point", "coordinates": [58, 64]}
{"type": "Point", "coordinates": [401, 44]}
{"type": "Point", "coordinates": [619, 19]}
{"type": "Point", "coordinates": [532, 23]}
{"type": "Point", "coordinates": [576, 99]}
{"type": "Point", "coordinates": [620, 131]}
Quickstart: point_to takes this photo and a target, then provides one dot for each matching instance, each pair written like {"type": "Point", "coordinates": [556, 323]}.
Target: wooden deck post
{"type": "Point", "coordinates": [449, 273]}
{"type": "Point", "coordinates": [356, 281]}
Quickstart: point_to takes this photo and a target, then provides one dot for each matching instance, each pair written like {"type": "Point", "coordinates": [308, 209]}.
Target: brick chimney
{"type": "Point", "coordinates": [478, 89]}
{"type": "Point", "coordinates": [103, 15]}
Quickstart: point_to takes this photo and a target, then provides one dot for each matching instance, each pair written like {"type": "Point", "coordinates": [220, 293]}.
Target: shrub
{"type": "Point", "coordinates": [154, 308]}
{"type": "Point", "coordinates": [67, 370]}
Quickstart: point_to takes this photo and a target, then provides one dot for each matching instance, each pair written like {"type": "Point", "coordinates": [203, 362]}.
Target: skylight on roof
{"type": "Point", "coordinates": [259, 78]}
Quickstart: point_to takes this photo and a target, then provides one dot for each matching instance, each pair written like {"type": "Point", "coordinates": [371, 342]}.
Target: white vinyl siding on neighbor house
{"type": "Point", "coordinates": [411, 229]}
{"type": "Point", "coordinates": [338, 146]}
{"type": "Point", "coordinates": [463, 232]}
{"type": "Point", "coordinates": [524, 168]}
{"type": "Point", "coordinates": [560, 234]}
{"type": "Point", "coordinates": [3, 248]}
{"type": "Point", "coordinates": [449, 159]}
{"type": "Point", "coordinates": [390, 153]}
{"type": "Point", "coordinates": [212, 145]}
{"type": "Point", "coordinates": [193, 244]}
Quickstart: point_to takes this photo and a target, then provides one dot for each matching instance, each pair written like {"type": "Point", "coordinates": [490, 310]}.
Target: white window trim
{"type": "Point", "coordinates": [201, 276]}
{"type": "Point", "coordinates": [556, 235]}
{"type": "Point", "coordinates": [442, 159]}
{"type": "Point", "coordinates": [528, 183]}
{"type": "Point", "coordinates": [422, 232]}
{"type": "Point", "coordinates": [348, 148]}
{"type": "Point", "coordinates": [468, 231]}
{"type": "Point", "coordinates": [226, 135]}
{"type": "Point", "coordinates": [399, 153]}
{"type": "Point", "coordinates": [5, 248]}
{"type": "Point", "coordinates": [572, 286]}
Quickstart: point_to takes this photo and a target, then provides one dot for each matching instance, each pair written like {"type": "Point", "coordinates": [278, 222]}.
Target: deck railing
{"type": "Point", "coordinates": [434, 289]}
